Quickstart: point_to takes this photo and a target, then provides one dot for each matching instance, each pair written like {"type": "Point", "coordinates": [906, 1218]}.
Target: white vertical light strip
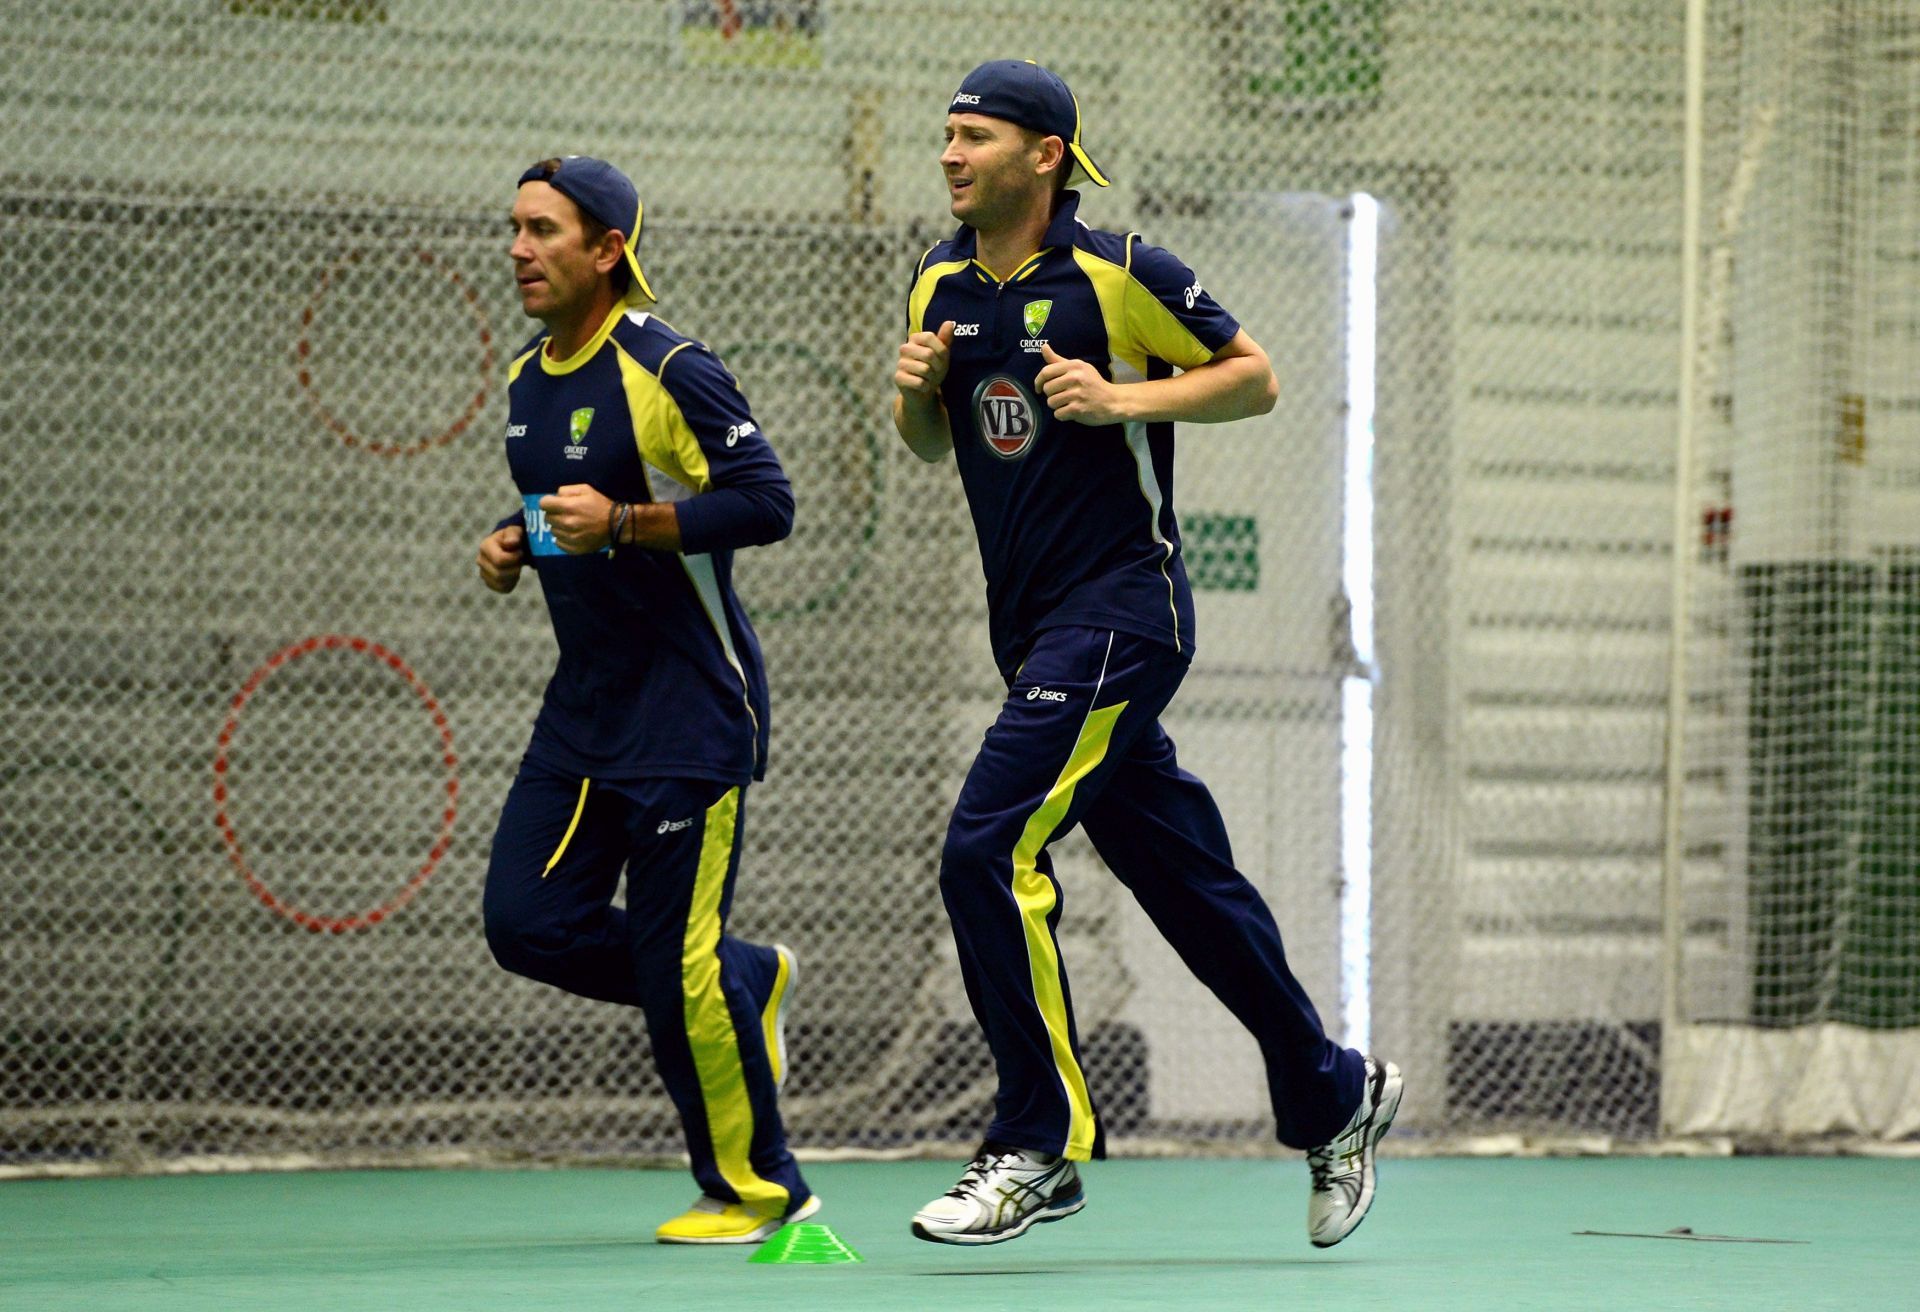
{"type": "Point", "coordinates": [1356, 692]}
{"type": "Point", "coordinates": [1686, 519]}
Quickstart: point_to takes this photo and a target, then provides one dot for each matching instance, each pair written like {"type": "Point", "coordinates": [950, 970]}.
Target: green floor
{"type": "Point", "coordinates": [1480, 1234]}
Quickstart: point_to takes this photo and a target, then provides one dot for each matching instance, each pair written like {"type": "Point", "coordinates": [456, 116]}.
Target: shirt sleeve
{"type": "Point", "coordinates": [747, 501]}
{"type": "Point", "coordinates": [1169, 314]}
{"type": "Point", "coordinates": [518, 519]}
{"type": "Point", "coordinates": [915, 306]}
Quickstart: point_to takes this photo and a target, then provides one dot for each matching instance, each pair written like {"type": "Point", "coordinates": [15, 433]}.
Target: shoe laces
{"type": "Point", "coordinates": [1347, 1149]}
{"type": "Point", "coordinates": [975, 1176]}
{"type": "Point", "coordinates": [1320, 1167]}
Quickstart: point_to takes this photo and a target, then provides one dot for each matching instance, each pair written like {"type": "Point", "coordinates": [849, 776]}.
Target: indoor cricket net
{"type": "Point", "coordinates": [260, 715]}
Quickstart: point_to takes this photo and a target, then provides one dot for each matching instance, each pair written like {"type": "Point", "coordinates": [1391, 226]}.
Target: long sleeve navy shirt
{"type": "Point", "coordinates": [660, 673]}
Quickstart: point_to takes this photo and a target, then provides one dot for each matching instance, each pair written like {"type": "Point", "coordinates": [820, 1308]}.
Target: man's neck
{"type": "Point", "coordinates": [566, 336]}
{"type": "Point", "coordinates": [1004, 249]}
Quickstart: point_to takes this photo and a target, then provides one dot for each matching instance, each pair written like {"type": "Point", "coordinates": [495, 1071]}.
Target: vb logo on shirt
{"type": "Point", "coordinates": [577, 425]}
{"type": "Point", "coordinates": [1006, 417]}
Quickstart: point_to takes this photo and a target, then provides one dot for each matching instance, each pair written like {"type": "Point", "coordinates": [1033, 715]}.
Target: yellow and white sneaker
{"type": "Point", "coordinates": [711, 1221]}
{"type": "Point", "coordinates": [773, 1016]}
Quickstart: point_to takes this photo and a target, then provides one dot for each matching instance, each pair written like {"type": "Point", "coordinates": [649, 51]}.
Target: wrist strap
{"type": "Point", "coordinates": [617, 515]}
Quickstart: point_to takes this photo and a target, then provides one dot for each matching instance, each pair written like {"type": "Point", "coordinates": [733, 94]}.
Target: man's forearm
{"type": "Point", "coordinates": [654, 525]}
{"type": "Point", "coordinates": [723, 519]}
{"type": "Point", "coordinates": [1218, 392]}
{"type": "Point", "coordinates": [923, 426]}
{"type": "Point", "coordinates": [736, 516]}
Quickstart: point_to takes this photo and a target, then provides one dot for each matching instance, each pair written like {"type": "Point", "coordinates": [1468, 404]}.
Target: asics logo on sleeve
{"type": "Point", "coordinates": [1045, 695]}
{"type": "Point", "coordinates": [1193, 294]}
{"type": "Point", "coordinates": [674, 826]}
{"type": "Point", "coordinates": [738, 431]}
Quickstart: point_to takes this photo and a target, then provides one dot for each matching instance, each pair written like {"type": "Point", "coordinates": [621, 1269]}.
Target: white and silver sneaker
{"type": "Point", "coordinates": [1003, 1193]}
{"type": "Point", "coordinates": [1342, 1170]}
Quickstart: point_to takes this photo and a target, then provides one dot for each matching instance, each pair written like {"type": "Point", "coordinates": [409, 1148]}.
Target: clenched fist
{"type": "Point", "coordinates": [577, 518]}
{"type": "Point", "coordinates": [924, 358]}
{"type": "Point", "coordinates": [501, 556]}
{"type": "Point", "coordinates": [1075, 390]}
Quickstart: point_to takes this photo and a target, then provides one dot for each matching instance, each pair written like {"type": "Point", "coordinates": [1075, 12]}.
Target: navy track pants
{"type": "Point", "coordinates": [557, 856]}
{"type": "Point", "coordinates": [1078, 741]}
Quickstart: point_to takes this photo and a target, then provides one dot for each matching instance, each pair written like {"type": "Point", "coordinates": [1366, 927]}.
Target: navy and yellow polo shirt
{"type": "Point", "coordinates": [1075, 521]}
{"type": "Point", "coordinates": [660, 673]}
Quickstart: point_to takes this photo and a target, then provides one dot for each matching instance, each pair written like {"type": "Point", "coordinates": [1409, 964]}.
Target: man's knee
{"type": "Point", "coordinates": [522, 944]}
{"type": "Point", "coordinates": [663, 971]}
{"type": "Point", "coordinates": [974, 860]}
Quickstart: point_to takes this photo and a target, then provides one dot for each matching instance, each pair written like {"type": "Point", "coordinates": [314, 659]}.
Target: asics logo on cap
{"type": "Point", "coordinates": [964, 99]}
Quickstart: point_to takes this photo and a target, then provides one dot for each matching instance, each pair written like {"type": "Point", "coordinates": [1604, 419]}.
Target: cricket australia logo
{"type": "Point", "coordinates": [1006, 416]}
{"type": "Point", "coordinates": [577, 433]}
{"type": "Point", "coordinates": [1035, 316]}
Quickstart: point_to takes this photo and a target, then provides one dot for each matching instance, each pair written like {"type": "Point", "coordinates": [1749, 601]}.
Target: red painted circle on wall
{"type": "Point", "coordinates": [372, 916]}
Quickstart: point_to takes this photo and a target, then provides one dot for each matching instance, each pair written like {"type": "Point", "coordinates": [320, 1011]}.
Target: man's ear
{"type": "Point", "coordinates": [1053, 152]}
{"type": "Point", "coordinates": [612, 247]}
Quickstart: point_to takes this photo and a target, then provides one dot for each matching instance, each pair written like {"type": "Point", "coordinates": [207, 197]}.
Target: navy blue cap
{"type": "Point", "coordinates": [1022, 92]}
{"type": "Point", "coordinates": [603, 193]}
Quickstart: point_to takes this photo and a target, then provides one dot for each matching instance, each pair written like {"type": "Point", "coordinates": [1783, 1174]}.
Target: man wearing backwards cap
{"type": "Point", "coordinates": [641, 470]}
{"type": "Point", "coordinates": [1052, 359]}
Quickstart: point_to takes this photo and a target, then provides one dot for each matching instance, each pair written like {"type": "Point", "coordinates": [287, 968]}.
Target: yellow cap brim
{"type": "Point", "coordinates": [641, 292]}
{"type": "Point", "coordinates": [1085, 168]}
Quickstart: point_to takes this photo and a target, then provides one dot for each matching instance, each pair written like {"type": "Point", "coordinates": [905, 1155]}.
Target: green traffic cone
{"type": "Point", "coordinates": [805, 1243]}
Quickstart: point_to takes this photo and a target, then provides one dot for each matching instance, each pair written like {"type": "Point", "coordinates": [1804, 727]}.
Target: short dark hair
{"type": "Point", "coordinates": [622, 276]}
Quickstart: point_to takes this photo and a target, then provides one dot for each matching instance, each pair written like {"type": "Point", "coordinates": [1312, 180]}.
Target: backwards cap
{"type": "Point", "coordinates": [607, 195]}
{"type": "Point", "coordinates": [1022, 92]}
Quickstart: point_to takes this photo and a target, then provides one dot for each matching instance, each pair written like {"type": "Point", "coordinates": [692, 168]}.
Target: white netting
{"type": "Point", "coordinates": [1801, 980]}
{"type": "Point", "coordinates": [260, 715]}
